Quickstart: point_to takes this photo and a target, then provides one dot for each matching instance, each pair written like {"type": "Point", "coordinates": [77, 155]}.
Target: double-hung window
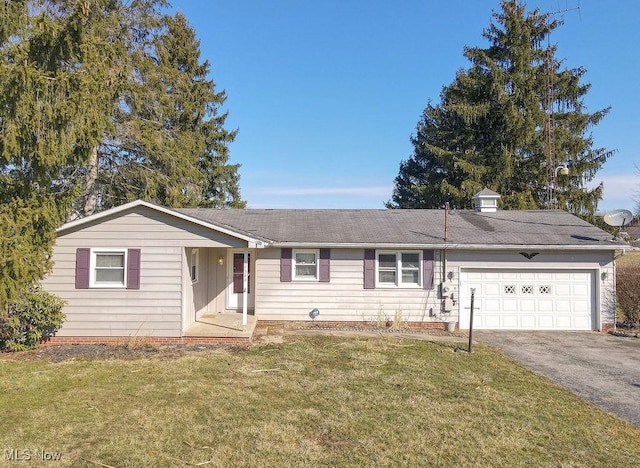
{"type": "Point", "coordinates": [399, 269]}
{"type": "Point", "coordinates": [108, 268]}
{"type": "Point", "coordinates": [305, 265]}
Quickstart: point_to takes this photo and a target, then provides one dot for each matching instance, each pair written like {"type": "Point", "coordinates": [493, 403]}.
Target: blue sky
{"type": "Point", "coordinates": [325, 94]}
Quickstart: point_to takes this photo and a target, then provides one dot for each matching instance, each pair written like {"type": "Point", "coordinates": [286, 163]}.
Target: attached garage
{"type": "Point", "coordinates": [528, 299]}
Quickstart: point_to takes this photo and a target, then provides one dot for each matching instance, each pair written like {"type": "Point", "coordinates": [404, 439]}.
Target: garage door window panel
{"type": "Point", "coordinates": [545, 289]}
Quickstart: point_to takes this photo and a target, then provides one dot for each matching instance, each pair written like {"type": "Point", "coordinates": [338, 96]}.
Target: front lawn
{"type": "Point", "coordinates": [313, 401]}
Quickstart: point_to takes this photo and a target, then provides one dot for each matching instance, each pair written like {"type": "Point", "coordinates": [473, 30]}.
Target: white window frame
{"type": "Point", "coordinates": [92, 268]}
{"type": "Point", "coordinates": [194, 266]}
{"type": "Point", "coordinates": [399, 283]}
{"type": "Point", "coordinates": [294, 276]}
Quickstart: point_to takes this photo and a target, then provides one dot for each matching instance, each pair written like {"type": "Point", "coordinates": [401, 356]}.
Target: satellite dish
{"type": "Point", "coordinates": [618, 218]}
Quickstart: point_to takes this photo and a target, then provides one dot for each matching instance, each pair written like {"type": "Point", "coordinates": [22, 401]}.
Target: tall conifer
{"type": "Point", "coordinates": [489, 128]}
{"type": "Point", "coordinates": [169, 144]}
{"type": "Point", "coordinates": [101, 102]}
{"type": "Point", "coordinates": [52, 113]}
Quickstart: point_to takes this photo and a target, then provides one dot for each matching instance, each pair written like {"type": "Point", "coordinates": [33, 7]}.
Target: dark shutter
{"type": "Point", "coordinates": [83, 257]}
{"type": "Point", "coordinates": [369, 269]}
{"type": "Point", "coordinates": [427, 269]}
{"type": "Point", "coordinates": [285, 265]}
{"type": "Point", "coordinates": [133, 269]}
{"type": "Point", "coordinates": [325, 267]}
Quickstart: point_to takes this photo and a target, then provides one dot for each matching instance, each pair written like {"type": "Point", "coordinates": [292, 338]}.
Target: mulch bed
{"type": "Point", "coordinates": [373, 328]}
{"type": "Point", "coordinates": [133, 351]}
{"type": "Point", "coordinates": [104, 352]}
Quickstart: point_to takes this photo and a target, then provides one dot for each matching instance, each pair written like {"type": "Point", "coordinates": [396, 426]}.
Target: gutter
{"type": "Point", "coordinates": [387, 245]}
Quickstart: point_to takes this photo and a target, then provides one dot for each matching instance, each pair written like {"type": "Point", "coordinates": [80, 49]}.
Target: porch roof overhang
{"type": "Point", "coordinates": [253, 242]}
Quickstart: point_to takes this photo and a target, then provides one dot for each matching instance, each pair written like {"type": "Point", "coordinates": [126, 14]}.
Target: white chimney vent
{"type": "Point", "coordinates": [486, 201]}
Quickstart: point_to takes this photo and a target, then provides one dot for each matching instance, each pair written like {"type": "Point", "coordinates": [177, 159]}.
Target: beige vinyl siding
{"type": "Point", "coordinates": [343, 298]}
{"type": "Point", "coordinates": [143, 223]}
{"type": "Point", "coordinates": [201, 287]}
{"type": "Point", "coordinates": [152, 310]}
{"type": "Point", "coordinates": [207, 295]}
{"type": "Point", "coordinates": [217, 295]}
{"type": "Point", "coordinates": [156, 308]}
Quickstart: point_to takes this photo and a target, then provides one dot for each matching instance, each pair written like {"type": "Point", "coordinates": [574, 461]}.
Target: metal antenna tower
{"type": "Point", "coordinates": [548, 105]}
{"type": "Point", "coordinates": [549, 126]}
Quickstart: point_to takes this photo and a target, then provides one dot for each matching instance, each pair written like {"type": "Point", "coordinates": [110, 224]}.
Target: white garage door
{"type": "Point", "coordinates": [527, 299]}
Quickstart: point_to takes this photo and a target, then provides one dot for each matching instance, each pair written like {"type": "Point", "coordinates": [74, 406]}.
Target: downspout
{"type": "Point", "coordinates": [443, 275]}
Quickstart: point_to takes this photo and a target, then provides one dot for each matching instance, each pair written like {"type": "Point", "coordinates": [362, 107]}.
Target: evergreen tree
{"type": "Point", "coordinates": [61, 66]}
{"type": "Point", "coordinates": [101, 102]}
{"type": "Point", "coordinates": [118, 29]}
{"type": "Point", "coordinates": [169, 145]}
{"type": "Point", "coordinates": [507, 123]}
{"type": "Point", "coordinates": [45, 128]}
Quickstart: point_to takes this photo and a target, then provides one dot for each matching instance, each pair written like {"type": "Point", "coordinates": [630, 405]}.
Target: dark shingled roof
{"type": "Point", "coordinates": [408, 227]}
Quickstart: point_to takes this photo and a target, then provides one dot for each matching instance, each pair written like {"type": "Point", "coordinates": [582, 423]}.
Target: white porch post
{"type": "Point", "coordinates": [245, 284]}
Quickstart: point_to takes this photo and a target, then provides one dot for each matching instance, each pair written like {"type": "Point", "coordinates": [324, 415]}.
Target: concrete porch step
{"type": "Point", "coordinates": [222, 326]}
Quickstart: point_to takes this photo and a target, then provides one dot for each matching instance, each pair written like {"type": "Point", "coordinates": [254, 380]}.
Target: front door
{"type": "Point", "coordinates": [236, 264]}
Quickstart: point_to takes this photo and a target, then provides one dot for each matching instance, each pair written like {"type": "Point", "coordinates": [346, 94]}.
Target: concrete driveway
{"type": "Point", "coordinates": [599, 368]}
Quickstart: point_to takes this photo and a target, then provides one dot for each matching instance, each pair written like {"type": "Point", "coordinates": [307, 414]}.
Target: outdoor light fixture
{"type": "Point", "coordinates": [220, 260]}
{"type": "Point", "coordinates": [563, 169]}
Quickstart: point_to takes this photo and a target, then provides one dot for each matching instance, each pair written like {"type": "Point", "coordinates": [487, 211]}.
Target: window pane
{"type": "Point", "coordinates": [387, 277]}
{"type": "Point", "coordinates": [110, 275]}
{"type": "Point", "coordinates": [387, 260]}
{"type": "Point", "coordinates": [307, 271]}
{"type": "Point", "coordinates": [410, 276]}
{"type": "Point", "coordinates": [110, 260]}
{"type": "Point", "coordinates": [306, 258]}
{"type": "Point", "coordinates": [194, 265]}
{"type": "Point", "coordinates": [410, 260]}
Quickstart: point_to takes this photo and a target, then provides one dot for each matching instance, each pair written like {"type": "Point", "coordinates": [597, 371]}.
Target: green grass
{"type": "Point", "coordinates": [309, 402]}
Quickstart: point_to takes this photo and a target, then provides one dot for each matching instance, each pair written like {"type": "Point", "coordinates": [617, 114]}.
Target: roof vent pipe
{"type": "Point", "coordinates": [486, 201]}
{"type": "Point", "coordinates": [446, 221]}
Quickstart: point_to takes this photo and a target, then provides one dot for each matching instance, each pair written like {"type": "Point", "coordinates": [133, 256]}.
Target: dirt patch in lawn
{"type": "Point", "coordinates": [264, 335]}
{"type": "Point", "coordinates": [87, 352]}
